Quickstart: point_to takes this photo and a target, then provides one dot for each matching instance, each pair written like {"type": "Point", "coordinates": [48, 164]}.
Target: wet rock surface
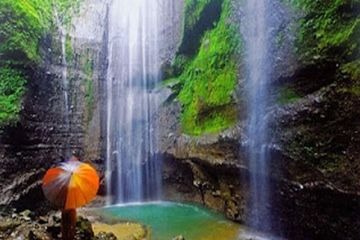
{"type": "Point", "coordinates": [314, 196]}
{"type": "Point", "coordinates": [28, 225]}
{"type": "Point", "coordinates": [314, 168]}
{"type": "Point", "coordinates": [46, 133]}
{"type": "Point", "coordinates": [311, 191]}
{"type": "Point", "coordinates": [43, 137]}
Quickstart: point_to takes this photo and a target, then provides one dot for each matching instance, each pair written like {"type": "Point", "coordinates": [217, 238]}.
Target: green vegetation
{"type": "Point", "coordinates": [352, 69]}
{"type": "Point", "coordinates": [328, 46]}
{"type": "Point", "coordinates": [69, 51]}
{"type": "Point", "coordinates": [23, 24]}
{"type": "Point", "coordinates": [329, 36]}
{"type": "Point", "coordinates": [65, 9]}
{"type": "Point", "coordinates": [329, 30]}
{"type": "Point", "coordinates": [12, 87]}
{"type": "Point", "coordinates": [89, 87]}
{"type": "Point", "coordinates": [207, 82]}
{"type": "Point", "coordinates": [193, 10]}
{"type": "Point", "coordinates": [355, 90]}
{"type": "Point", "coordinates": [287, 95]}
{"type": "Point", "coordinates": [200, 16]}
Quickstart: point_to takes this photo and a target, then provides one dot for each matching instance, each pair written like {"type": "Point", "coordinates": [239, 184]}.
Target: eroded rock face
{"type": "Point", "coordinates": [311, 191]}
{"type": "Point", "coordinates": [42, 136]}
{"type": "Point", "coordinates": [202, 169]}
{"type": "Point", "coordinates": [306, 202]}
{"type": "Point", "coordinates": [314, 152]}
{"type": "Point", "coordinates": [312, 198]}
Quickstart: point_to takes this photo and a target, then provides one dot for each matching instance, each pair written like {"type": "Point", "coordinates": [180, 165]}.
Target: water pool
{"type": "Point", "coordinates": [167, 220]}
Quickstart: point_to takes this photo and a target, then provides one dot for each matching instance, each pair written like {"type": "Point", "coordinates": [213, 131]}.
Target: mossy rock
{"type": "Point", "coordinates": [205, 83]}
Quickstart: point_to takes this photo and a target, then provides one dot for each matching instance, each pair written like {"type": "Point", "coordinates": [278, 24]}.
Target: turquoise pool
{"type": "Point", "coordinates": [167, 220]}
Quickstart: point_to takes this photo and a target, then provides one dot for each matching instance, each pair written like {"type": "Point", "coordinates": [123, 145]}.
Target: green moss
{"type": "Point", "coordinates": [69, 51]}
{"type": "Point", "coordinates": [12, 88]}
{"type": "Point", "coordinates": [208, 81]}
{"type": "Point", "coordinates": [352, 69]}
{"type": "Point", "coordinates": [23, 24]}
{"type": "Point", "coordinates": [327, 44]}
{"type": "Point", "coordinates": [180, 64]}
{"type": "Point", "coordinates": [200, 16]}
{"type": "Point", "coordinates": [287, 95]}
{"type": "Point", "coordinates": [89, 87]}
{"type": "Point", "coordinates": [66, 9]}
{"type": "Point", "coordinates": [355, 90]}
{"type": "Point", "coordinates": [193, 10]}
{"type": "Point", "coordinates": [329, 36]}
{"type": "Point", "coordinates": [89, 97]}
{"type": "Point", "coordinates": [329, 30]}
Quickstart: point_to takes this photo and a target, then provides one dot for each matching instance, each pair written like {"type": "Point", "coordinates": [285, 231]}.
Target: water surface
{"type": "Point", "coordinates": [167, 220]}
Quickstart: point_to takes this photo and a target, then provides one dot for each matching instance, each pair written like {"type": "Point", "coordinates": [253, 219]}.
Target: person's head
{"type": "Point", "coordinates": [76, 153]}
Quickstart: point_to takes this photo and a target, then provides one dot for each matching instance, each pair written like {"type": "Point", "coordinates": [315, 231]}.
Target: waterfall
{"type": "Point", "coordinates": [257, 26]}
{"type": "Point", "coordinates": [133, 173]}
{"type": "Point", "coordinates": [65, 82]}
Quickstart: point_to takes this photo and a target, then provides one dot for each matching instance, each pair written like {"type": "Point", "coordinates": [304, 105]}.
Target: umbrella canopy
{"type": "Point", "coordinates": [71, 185]}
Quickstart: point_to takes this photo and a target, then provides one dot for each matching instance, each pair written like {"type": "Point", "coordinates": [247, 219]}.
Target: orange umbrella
{"type": "Point", "coordinates": [69, 186]}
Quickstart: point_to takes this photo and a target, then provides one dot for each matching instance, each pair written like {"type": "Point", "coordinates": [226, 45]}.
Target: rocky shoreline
{"type": "Point", "coordinates": [91, 225]}
{"type": "Point", "coordinates": [28, 225]}
{"type": "Point", "coordinates": [315, 167]}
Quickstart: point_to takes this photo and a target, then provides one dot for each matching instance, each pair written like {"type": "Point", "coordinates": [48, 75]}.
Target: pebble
{"type": "Point", "coordinates": [180, 237]}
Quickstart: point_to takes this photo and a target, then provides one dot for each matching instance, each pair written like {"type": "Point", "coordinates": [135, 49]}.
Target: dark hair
{"type": "Point", "coordinates": [76, 153]}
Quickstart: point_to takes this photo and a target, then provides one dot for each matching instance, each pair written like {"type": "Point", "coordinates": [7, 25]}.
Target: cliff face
{"type": "Point", "coordinates": [314, 124]}
{"type": "Point", "coordinates": [315, 163]}
{"type": "Point", "coordinates": [306, 201]}
{"type": "Point", "coordinates": [43, 133]}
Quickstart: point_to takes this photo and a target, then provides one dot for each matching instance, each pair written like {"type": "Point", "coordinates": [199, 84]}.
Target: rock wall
{"type": "Point", "coordinates": [314, 156]}
{"type": "Point", "coordinates": [305, 204]}
{"type": "Point", "coordinates": [309, 200]}
{"type": "Point", "coordinates": [41, 138]}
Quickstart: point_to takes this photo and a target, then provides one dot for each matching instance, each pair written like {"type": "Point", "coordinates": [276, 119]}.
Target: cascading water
{"type": "Point", "coordinates": [257, 29]}
{"type": "Point", "coordinates": [65, 83]}
{"type": "Point", "coordinates": [133, 175]}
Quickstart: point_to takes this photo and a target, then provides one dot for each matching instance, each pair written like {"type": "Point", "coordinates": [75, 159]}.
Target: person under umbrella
{"type": "Point", "coordinates": [70, 186]}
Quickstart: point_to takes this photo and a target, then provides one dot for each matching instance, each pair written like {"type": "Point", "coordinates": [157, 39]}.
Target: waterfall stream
{"type": "Point", "coordinates": [257, 30]}
{"type": "Point", "coordinates": [133, 175]}
{"type": "Point", "coordinates": [65, 82]}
